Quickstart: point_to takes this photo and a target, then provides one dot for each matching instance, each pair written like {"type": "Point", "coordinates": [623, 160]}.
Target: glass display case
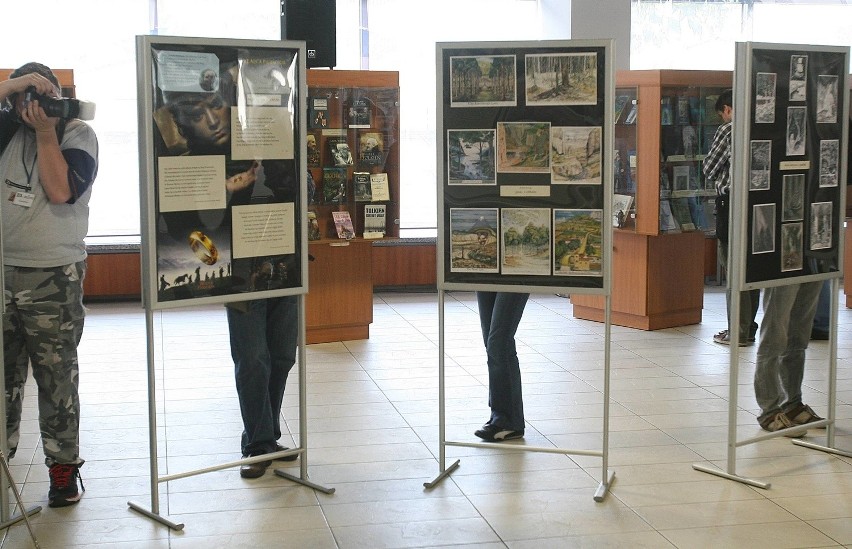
{"type": "Point", "coordinates": [664, 237]}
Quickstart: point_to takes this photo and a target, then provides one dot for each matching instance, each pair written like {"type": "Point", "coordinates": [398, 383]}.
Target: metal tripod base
{"type": "Point", "coordinates": [603, 487]}
{"type": "Point", "coordinates": [444, 474]}
{"type": "Point", "coordinates": [304, 482]}
{"type": "Point", "coordinates": [720, 473]}
{"type": "Point", "coordinates": [154, 516]}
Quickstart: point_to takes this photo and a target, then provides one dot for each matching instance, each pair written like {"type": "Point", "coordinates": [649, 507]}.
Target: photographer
{"type": "Point", "coordinates": [47, 166]}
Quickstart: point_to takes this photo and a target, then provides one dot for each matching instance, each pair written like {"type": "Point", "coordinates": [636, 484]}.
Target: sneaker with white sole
{"type": "Point", "coordinates": [778, 422]}
{"type": "Point", "coordinates": [494, 433]}
{"type": "Point", "coordinates": [63, 484]}
{"type": "Point", "coordinates": [802, 415]}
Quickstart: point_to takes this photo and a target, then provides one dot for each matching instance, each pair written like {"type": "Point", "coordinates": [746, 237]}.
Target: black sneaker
{"type": "Point", "coordinates": [494, 433]}
{"type": "Point", "coordinates": [63, 485]}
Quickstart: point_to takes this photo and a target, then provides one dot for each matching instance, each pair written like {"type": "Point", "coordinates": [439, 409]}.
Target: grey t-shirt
{"type": "Point", "coordinates": [44, 234]}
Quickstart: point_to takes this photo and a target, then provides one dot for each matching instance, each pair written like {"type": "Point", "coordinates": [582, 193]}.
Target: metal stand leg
{"type": "Point", "coordinates": [24, 514]}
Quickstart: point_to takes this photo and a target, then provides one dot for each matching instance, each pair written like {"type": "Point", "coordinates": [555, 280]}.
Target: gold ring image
{"type": "Point", "coordinates": [203, 247]}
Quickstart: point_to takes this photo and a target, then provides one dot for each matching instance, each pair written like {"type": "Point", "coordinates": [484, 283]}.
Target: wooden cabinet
{"type": "Point", "coordinates": [340, 291]}
{"type": "Point", "coordinates": [664, 125]}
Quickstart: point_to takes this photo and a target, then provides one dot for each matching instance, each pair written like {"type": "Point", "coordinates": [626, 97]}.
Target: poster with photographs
{"type": "Point", "coordinates": [764, 98]}
{"type": "Point", "coordinates": [793, 198]}
{"type": "Point", "coordinates": [575, 155]}
{"type": "Point", "coordinates": [680, 178]}
{"type": "Point", "coordinates": [474, 242]}
{"type": "Point", "coordinates": [829, 162]}
{"type": "Point", "coordinates": [561, 79]}
{"type": "Point", "coordinates": [759, 163]}
{"type": "Point", "coordinates": [821, 227]}
{"type": "Point", "coordinates": [792, 254]}
{"type": "Point", "coordinates": [797, 130]}
{"type": "Point", "coordinates": [511, 166]}
{"type": "Point", "coordinates": [577, 242]}
{"type": "Point", "coordinates": [224, 197]}
{"type": "Point", "coordinates": [523, 147]}
{"type": "Point", "coordinates": [826, 99]}
{"type": "Point", "coordinates": [763, 229]}
{"type": "Point", "coordinates": [483, 81]}
{"type": "Point", "coordinates": [798, 78]}
{"type": "Point", "coordinates": [525, 240]}
{"type": "Point", "coordinates": [472, 158]}
{"type": "Point", "coordinates": [793, 203]}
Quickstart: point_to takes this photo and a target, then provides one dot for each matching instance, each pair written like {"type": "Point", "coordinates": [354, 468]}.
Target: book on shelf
{"type": "Point", "coordinates": [334, 185]}
{"type": "Point", "coordinates": [379, 187]}
{"type": "Point", "coordinates": [682, 110]}
{"type": "Point", "coordinates": [362, 187]}
{"type": "Point", "coordinates": [318, 112]}
{"type": "Point", "coordinates": [621, 204]}
{"type": "Point", "coordinates": [313, 151]}
{"type": "Point", "coordinates": [374, 220]}
{"type": "Point", "coordinates": [359, 113]}
{"type": "Point", "coordinates": [371, 149]}
{"type": "Point", "coordinates": [343, 225]}
{"type": "Point", "coordinates": [666, 111]}
{"type": "Point", "coordinates": [341, 154]}
{"type": "Point", "coordinates": [313, 227]}
{"type": "Point", "coordinates": [621, 101]}
{"type": "Point", "coordinates": [631, 116]}
{"type": "Point", "coordinates": [682, 214]}
{"type": "Point", "coordinates": [667, 219]}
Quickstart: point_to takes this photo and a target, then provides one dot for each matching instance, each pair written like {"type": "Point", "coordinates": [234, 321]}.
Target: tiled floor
{"type": "Point", "coordinates": [373, 436]}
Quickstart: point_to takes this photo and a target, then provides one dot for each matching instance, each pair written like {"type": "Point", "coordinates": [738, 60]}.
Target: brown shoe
{"type": "Point", "coordinates": [279, 448]}
{"type": "Point", "coordinates": [778, 422]}
{"type": "Point", "coordinates": [802, 415]}
{"type": "Point", "coordinates": [254, 470]}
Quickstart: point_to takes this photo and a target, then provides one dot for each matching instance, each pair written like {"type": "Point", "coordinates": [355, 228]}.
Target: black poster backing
{"type": "Point", "coordinates": [222, 159]}
{"type": "Point", "coordinates": [524, 164]}
{"type": "Point", "coordinates": [794, 172]}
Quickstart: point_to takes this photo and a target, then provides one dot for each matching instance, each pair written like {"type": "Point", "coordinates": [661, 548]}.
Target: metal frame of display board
{"type": "Point", "coordinates": [753, 129]}
{"type": "Point", "coordinates": [266, 74]}
{"type": "Point", "coordinates": [540, 97]}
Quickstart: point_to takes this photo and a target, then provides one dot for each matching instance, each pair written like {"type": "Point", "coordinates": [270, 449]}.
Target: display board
{"type": "Point", "coordinates": [222, 167]}
{"type": "Point", "coordinates": [790, 108]}
{"type": "Point", "coordinates": [524, 138]}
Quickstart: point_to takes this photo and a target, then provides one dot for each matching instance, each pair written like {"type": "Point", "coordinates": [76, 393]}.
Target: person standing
{"type": "Point", "coordinates": [499, 316]}
{"type": "Point", "coordinates": [788, 314]}
{"type": "Point", "coordinates": [717, 168]}
{"type": "Point", "coordinates": [48, 166]}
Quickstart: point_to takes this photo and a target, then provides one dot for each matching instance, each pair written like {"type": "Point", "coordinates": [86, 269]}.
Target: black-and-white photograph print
{"type": "Point", "coordinates": [763, 228]}
{"type": "Point", "coordinates": [798, 77]}
{"type": "Point", "coordinates": [793, 198]}
{"type": "Point", "coordinates": [829, 162]}
{"type": "Point", "coordinates": [821, 231]}
{"type": "Point", "coordinates": [791, 247]}
{"type": "Point", "coordinates": [759, 163]}
{"type": "Point", "coordinates": [826, 99]}
{"type": "Point", "coordinates": [764, 98]}
{"type": "Point", "coordinates": [796, 131]}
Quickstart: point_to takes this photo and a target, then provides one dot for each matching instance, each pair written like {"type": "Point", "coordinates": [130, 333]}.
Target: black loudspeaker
{"type": "Point", "coordinates": [315, 22]}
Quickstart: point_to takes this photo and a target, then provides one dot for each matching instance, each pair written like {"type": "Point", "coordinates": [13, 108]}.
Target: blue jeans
{"type": "Point", "coordinates": [788, 313]}
{"type": "Point", "coordinates": [263, 347]}
{"type": "Point", "coordinates": [749, 301]}
{"type": "Point", "coordinates": [499, 315]}
{"type": "Point", "coordinates": [823, 311]}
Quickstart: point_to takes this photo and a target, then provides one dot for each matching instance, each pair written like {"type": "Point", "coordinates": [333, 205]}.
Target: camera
{"type": "Point", "coordinates": [61, 107]}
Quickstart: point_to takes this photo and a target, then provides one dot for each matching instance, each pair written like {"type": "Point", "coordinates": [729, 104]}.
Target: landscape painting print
{"type": "Point", "coordinates": [577, 242]}
{"type": "Point", "coordinates": [562, 79]}
{"type": "Point", "coordinates": [575, 155]}
{"type": "Point", "coordinates": [473, 240]}
{"type": "Point", "coordinates": [472, 158]}
{"type": "Point", "coordinates": [483, 81]}
{"type": "Point", "coordinates": [525, 234]}
{"type": "Point", "coordinates": [523, 147]}
{"type": "Point", "coordinates": [764, 98]}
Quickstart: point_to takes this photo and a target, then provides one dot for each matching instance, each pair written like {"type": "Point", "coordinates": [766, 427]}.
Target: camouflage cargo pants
{"type": "Point", "coordinates": [42, 326]}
